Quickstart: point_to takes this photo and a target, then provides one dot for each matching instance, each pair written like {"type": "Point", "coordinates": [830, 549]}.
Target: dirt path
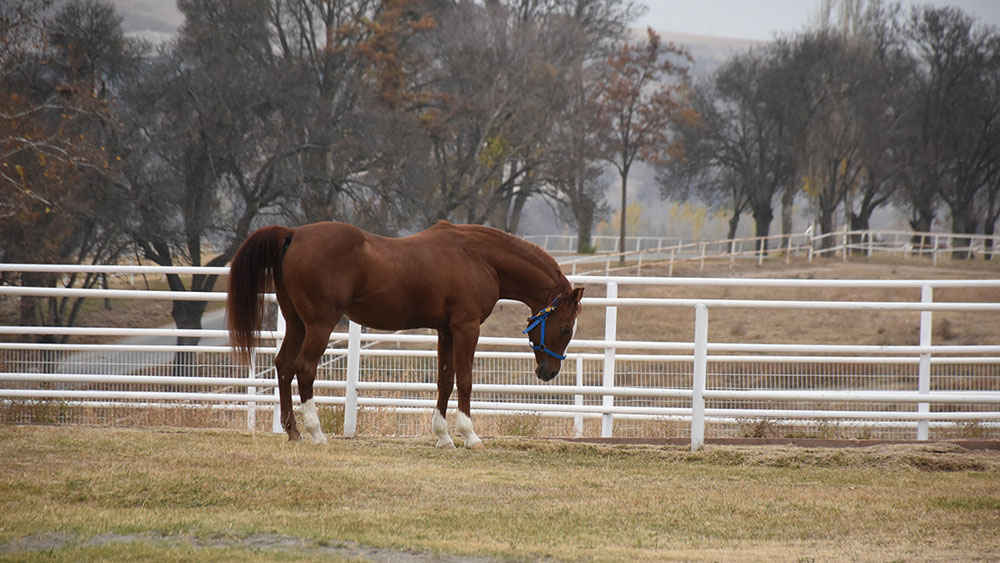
{"type": "Point", "coordinates": [275, 543]}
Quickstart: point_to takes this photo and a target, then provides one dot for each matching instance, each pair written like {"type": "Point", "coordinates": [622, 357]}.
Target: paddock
{"type": "Point", "coordinates": [169, 452]}
{"type": "Point", "coordinates": [75, 492]}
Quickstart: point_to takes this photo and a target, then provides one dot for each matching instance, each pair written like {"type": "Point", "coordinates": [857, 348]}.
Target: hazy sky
{"type": "Point", "coordinates": [761, 19]}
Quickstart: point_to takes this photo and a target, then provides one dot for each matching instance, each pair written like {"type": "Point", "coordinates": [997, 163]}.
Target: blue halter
{"type": "Point", "coordinates": [539, 319]}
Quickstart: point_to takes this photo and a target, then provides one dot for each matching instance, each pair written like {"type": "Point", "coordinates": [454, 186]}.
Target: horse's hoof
{"type": "Point", "coordinates": [445, 445]}
{"type": "Point", "coordinates": [477, 445]}
{"type": "Point", "coordinates": [294, 437]}
{"type": "Point", "coordinates": [320, 440]}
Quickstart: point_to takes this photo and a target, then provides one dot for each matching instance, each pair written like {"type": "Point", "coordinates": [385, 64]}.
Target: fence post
{"type": "Point", "coordinates": [700, 369]}
{"type": "Point", "coordinates": [610, 335]}
{"type": "Point", "coordinates": [276, 417]}
{"type": "Point", "coordinates": [670, 272]}
{"type": "Point", "coordinates": [811, 246]}
{"type": "Point", "coordinates": [843, 242]}
{"type": "Point", "coordinates": [252, 390]}
{"type": "Point", "coordinates": [578, 399]}
{"type": "Point", "coordinates": [353, 370]}
{"type": "Point", "coordinates": [924, 373]}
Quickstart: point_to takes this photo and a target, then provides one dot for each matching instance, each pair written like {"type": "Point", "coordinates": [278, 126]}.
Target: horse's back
{"type": "Point", "coordinates": [387, 283]}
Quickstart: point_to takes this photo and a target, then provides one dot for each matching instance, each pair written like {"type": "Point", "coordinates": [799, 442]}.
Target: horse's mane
{"type": "Point", "coordinates": [526, 250]}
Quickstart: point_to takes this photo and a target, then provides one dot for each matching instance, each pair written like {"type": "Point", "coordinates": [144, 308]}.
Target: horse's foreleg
{"type": "Point", "coordinates": [465, 351]}
{"type": "Point", "coordinates": [313, 347]}
{"type": "Point", "coordinates": [446, 379]}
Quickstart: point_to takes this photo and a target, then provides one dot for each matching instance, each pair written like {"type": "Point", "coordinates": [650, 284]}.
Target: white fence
{"type": "Point", "coordinates": [640, 249]}
{"type": "Point", "coordinates": [385, 383]}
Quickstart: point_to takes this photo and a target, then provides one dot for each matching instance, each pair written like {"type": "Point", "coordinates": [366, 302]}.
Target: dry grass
{"type": "Point", "coordinates": [196, 494]}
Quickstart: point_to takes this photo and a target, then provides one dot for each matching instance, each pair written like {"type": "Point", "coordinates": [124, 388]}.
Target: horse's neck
{"type": "Point", "coordinates": [528, 278]}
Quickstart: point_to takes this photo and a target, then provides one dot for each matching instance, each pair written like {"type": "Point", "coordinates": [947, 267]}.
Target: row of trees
{"type": "Point", "coordinates": [393, 114]}
{"type": "Point", "coordinates": [388, 114]}
{"type": "Point", "coordinates": [887, 108]}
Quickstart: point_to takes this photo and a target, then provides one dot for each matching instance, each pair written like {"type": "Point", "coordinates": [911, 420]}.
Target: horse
{"type": "Point", "coordinates": [448, 278]}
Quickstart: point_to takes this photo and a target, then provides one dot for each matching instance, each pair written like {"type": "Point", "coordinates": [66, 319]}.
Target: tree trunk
{"type": "Point", "coordinates": [826, 227]}
{"type": "Point", "coordinates": [734, 223]}
{"type": "Point", "coordinates": [187, 315]}
{"type": "Point", "coordinates": [860, 221]}
{"type": "Point", "coordinates": [584, 213]}
{"type": "Point", "coordinates": [921, 223]}
{"type": "Point", "coordinates": [32, 310]}
{"type": "Point", "coordinates": [962, 224]}
{"type": "Point", "coordinates": [787, 208]}
{"type": "Point", "coordinates": [624, 217]}
{"type": "Point", "coordinates": [762, 228]}
{"type": "Point", "coordinates": [989, 229]}
{"type": "Point", "coordinates": [520, 198]}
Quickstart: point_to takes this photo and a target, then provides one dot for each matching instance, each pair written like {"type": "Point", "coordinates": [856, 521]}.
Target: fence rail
{"type": "Point", "coordinates": [645, 249]}
{"type": "Point", "coordinates": [657, 386]}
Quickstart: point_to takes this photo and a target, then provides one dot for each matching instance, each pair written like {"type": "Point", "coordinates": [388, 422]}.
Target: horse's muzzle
{"type": "Point", "coordinates": [544, 374]}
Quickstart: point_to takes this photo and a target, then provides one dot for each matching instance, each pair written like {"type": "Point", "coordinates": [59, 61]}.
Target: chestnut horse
{"type": "Point", "coordinates": [447, 278]}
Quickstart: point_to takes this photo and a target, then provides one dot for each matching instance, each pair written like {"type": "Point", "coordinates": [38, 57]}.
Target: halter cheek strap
{"type": "Point", "coordinates": [539, 319]}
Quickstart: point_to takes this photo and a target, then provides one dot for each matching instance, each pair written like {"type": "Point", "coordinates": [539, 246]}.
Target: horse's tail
{"type": "Point", "coordinates": [255, 267]}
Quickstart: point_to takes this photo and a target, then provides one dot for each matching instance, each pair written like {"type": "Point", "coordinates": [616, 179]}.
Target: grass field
{"type": "Point", "coordinates": [71, 493]}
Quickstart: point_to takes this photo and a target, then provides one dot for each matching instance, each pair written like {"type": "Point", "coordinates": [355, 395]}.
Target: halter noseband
{"type": "Point", "coordinates": [539, 319]}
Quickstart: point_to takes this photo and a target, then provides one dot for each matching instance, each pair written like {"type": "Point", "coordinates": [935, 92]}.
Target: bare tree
{"type": "Point", "coordinates": [958, 110]}
{"type": "Point", "coordinates": [207, 155]}
{"type": "Point", "coordinates": [639, 104]}
{"type": "Point", "coordinates": [574, 171]}
{"type": "Point", "coordinates": [497, 86]}
{"type": "Point", "coordinates": [58, 151]}
{"type": "Point", "coordinates": [737, 156]}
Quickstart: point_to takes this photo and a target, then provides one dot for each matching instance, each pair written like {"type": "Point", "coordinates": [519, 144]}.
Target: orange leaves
{"type": "Point", "coordinates": [391, 64]}
{"type": "Point", "coordinates": [642, 94]}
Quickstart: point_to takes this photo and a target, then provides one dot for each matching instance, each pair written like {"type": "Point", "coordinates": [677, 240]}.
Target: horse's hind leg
{"type": "Point", "coordinates": [446, 379]}
{"type": "Point", "coordinates": [316, 339]}
{"type": "Point", "coordinates": [284, 365]}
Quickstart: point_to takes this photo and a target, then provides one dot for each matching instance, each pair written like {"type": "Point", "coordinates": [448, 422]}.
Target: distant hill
{"type": "Point", "coordinates": [708, 52]}
{"type": "Point", "coordinates": [158, 20]}
{"type": "Point", "coordinates": [154, 20]}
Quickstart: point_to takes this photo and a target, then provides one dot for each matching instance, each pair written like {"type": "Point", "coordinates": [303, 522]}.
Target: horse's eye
{"type": "Point", "coordinates": [564, 330]}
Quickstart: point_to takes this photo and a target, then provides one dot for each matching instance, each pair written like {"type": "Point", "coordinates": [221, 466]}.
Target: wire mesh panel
{"type": "Point", "coordinates": [75, 395]}
{"type": "Point", "coordinates": [665, 373]}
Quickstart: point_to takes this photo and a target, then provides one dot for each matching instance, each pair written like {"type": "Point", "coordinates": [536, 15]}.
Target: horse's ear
{"type": "Point", "coordinates": [576, 295]}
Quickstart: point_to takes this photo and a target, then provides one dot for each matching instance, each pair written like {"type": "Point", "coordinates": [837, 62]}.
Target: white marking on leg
{"type": "Point", "coordinates": [463, 425]}
{"type": "Point", "coordinates": [440, 427]}
{"type": "Point", "coordinates": [311, 421]}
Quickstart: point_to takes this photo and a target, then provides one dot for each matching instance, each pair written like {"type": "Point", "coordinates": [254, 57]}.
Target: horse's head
{"type": "Point", "coordinates": [550, 331]}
